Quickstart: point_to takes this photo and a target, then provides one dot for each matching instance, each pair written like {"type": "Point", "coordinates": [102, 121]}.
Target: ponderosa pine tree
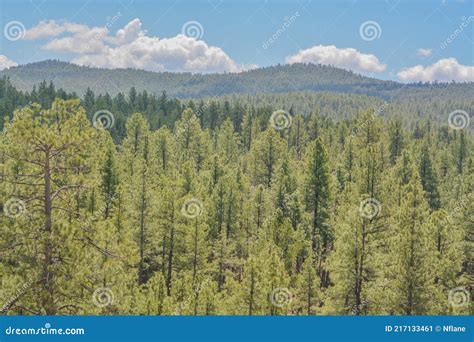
{"type": "Point", "coordinates": [317, 203]}
{"type": "Point", "coordinates": [461, 152]}
{"type": "Point", "coordinates": [267, 153]}
{"type": "Point", "coordinates": [297, 136]}
{"type": "Point", "coordinates": [249, 130]}
{"type": "Point", "coordinates": [396, 140]}
{"type": "Point", "coordinates": [48, 159]}
{"type": "Point", "coordinates": [109, 179]}
{"type": "Point", "coordinates": [170, 231]}
{"type": "Point", "coordinates": [412, 255]}
{"type": "Point", "coordinates": [286, 195]}
{"type": "Point", "coordinates": [307, 296]}
{"type": "Point", "coordinates": [191, 142]}
{"type": "Point", "coordinates": [137, 186]}
{"type": "Point", "coordinates": [428, 179]}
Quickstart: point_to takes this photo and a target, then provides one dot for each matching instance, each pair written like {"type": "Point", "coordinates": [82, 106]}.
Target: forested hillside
{"type": "Point", "coordinates": [161, 109]}
{"type": "Point", "coordinates": [274, 79]}
{"type": "Point", "coordinates": [145, 205]}
{"type": "Point", "coordinates": [283, 78]}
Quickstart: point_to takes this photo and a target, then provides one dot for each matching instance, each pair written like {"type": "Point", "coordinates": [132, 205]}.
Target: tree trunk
{"type": "Point", "coordinates": [48, 275]}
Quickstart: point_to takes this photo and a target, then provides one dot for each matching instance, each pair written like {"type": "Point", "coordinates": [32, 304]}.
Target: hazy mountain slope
{"type": "Point", "coordinates": [283, 78]}
{"type": "Point", "coordinates": [275, 79]}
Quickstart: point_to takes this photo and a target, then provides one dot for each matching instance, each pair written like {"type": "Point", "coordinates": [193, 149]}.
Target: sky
{"type": "Point", "coordinates": [401, 40]}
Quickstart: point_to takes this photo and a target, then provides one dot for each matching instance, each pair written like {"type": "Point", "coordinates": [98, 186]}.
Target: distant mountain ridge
{"type": "Point", "coordinates": [281, 78]}
{"type": "Point", "coordinates": [274, 79]}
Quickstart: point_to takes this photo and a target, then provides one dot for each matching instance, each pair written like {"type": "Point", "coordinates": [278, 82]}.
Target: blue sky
{"type": "Point", "coordinates": [412, 41]}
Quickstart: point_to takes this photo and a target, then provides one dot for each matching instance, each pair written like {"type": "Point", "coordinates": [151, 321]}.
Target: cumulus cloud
{"type": "Point", "coordinates": [128, 34]}
{"type": "Point", "coordinates": [52, 28]}
{"type": "Point", "coordinates": [424, 52]}
{"type": "Point", "coordinates": [88, 41]}
{"type": "Point", "coordinates": [444, 70]}
{"type": "Point", "coordinates": [131, 47]}
{"type": "Point", "coordinates": [348, 58]}
{"type": "Point", "coordinates": [6, 63]}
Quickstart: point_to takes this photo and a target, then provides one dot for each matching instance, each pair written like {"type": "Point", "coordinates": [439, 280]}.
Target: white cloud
{"type": "Point", "coordinates": [90, 40]}
{"type": "Point", "coordinates": [6, 63]}
{"type": "Point", "coordinates": [131, 47]}
{"type": "Point", "coordinates": [44, 29]}
{"type": "Point", "coordinates": [129, 33]}
{"type": "Point", "coordinates": [424, 52]}
{"type": "Point", "coordinates": [444, 70]}
{"type": "Point", "coordinates": [348, 58]}
{"type": "Point", "coordinates": [51, 28]}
